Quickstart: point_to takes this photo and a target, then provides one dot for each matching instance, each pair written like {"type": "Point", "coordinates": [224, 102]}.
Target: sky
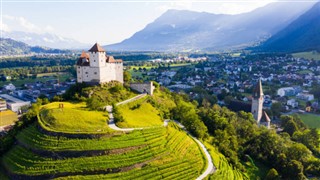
{"type": "Point", "coordinates": [103, 21]}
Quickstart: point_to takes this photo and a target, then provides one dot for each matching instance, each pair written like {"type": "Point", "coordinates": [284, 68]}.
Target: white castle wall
{"type": "Point", "coordinates": [143, 87]}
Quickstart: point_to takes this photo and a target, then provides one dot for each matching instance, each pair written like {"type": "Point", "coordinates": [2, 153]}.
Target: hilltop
{"type": "Point", "coordinates": [77, 138]}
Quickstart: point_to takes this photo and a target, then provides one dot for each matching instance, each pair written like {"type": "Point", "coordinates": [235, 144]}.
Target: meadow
{"type": "Point", "coordinates": [73, 118]}
{"type": "Point", "coordinates": [311, 120]}
{"type": "Point", "coordinates": [307, 55]}
{"type": "Point", "coordinates": [139, 113]}
{"type": "Point", "coordinates": [7, 117]}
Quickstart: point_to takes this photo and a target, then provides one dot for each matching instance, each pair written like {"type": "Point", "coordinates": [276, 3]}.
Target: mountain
{"type": "Point", "coordinates": [188, 30]}
{"type": "Point", "coordinates": [46, 39]}
{"type": "Point", "coordinates": [303, 34]}
{"type": "Point", "coordinates": [11, 47]}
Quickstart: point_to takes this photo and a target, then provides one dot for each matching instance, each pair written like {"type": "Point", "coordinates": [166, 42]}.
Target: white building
{"type": "Point", "coordinates": [96, 67]}
{"type": "Point", "coordinates": [293, 103]}
{"type": "Point", "coordinates": [9, 87]}
{"type": "Point", "coordinates": [286, 91]}
{"type": "Point", "coordinates": [305, 96]}
{"type": "Point", "coordinates": [14, 104]}
{"type": "Point", "coordinates": [3, 105]}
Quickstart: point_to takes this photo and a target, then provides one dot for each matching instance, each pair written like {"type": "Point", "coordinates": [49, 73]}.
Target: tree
{"type": "Point", "coordinates": [276, 109]}
{"type": "Point", "coordinates": [294, 170]}
{"type": "Point", "coordinates": [290, 127]}
{"type": "Point", "coordinates": [272, 175]}
{"type": "Point", "coordinates": [126, 77]}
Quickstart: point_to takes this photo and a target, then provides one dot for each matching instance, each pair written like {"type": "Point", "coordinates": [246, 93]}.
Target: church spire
{"type": "Point", "coordinates": [258, 92]}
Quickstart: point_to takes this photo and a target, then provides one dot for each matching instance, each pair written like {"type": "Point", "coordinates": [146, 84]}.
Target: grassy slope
{"type": "Point", "coordinates": [73, 118]}
{"type": "Point", "coordinates": [7, 117]}
{"type": "Point", "coordinates": [312, 121]}
{"type": "Point", "coordinates": [224, 169]}
{"type": "Point", "coordinates": [172, 154]}
{"type": "Point", "coordinates": [139, 114]}
{"type": "Point", "coordinates": [307, 55]}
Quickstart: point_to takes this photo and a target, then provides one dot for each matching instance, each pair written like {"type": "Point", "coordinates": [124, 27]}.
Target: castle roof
{"type": "Point", "coordinates": [84, 55]}
{"type": "Point", "coordinates": [258, 92]}
{"type": "Point", "coordinates": [265, 117]}
{"type": "Point", "coordinates": [96, 48]}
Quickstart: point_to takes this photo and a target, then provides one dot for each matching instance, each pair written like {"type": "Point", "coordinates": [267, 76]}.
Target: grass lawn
{"type": "Point", "coordinates": [74, 118]}
{"type": "Point", "coordinates": [311, 120]}
{"type": "Point", "coordinates": [7, 117]}
{"type": "Point", "coordinates": [139, 114]}
{"type": "Point", "coordinates": [307, 55]}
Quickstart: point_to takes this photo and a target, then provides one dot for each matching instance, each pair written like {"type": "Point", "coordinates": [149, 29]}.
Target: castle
{"type": "Point", "coordinates": [96, 67]}
{"type": "Point", "coordinates": [259, 115]}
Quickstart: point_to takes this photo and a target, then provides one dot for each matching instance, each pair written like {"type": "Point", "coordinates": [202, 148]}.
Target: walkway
{"type": "Point", "coordinates": [210, 168]}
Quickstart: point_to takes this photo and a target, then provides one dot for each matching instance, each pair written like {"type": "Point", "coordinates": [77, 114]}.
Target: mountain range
{"type": "Point", "coordinates": [178, 30]}
{"type": "Point", "coordinates": [303, 34]}
{"type": "Point", "coordinates": [11, 47]}
{"type": "Point", "coordinates": [45, 39]}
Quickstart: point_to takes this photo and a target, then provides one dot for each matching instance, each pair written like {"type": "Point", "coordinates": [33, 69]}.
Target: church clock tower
{"type": "Point", "coordinates": [257, 102]}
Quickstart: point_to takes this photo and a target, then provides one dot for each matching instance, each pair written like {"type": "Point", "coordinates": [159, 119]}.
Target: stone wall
{"type": "Point", "coordinates": [146, 87]}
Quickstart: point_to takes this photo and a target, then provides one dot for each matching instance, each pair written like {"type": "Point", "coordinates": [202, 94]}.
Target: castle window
{"type": "Point", "coordinates": [86, 72]}
{"type": "Point", "coordinates": [95, 72]}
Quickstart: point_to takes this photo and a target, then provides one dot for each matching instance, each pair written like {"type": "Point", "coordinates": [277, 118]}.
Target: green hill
{"type": "Point", "coordinates": [75, 143]}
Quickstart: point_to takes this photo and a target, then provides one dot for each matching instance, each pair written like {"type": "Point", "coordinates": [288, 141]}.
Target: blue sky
{"type": "Point", "coordinates": [103, 21]}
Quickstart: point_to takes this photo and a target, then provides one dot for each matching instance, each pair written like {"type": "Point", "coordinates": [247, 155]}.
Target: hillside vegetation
{"type": "Point", "coordinates": [239, 148]}
{"type": "Point", "coordinates": [74, 142]}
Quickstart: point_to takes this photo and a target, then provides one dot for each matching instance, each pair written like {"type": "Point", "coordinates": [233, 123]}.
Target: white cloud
{"type": "Point", "coordinates": [4, 27]}
{"type": "Point", "coordinates": [18, 23]}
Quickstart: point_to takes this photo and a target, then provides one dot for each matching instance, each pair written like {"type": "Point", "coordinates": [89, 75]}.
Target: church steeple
{"type": "Point", "coordinates": [257, 102]}
{"type": "Point", "coordinates": [258, 92]}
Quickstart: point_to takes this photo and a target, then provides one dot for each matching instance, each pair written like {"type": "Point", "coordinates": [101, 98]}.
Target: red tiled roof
{"type": "Point", "coordinates": [84, 55]}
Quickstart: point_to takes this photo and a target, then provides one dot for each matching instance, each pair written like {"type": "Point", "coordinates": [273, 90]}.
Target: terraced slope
{"type": "Point", "coordinates": [154, 153]}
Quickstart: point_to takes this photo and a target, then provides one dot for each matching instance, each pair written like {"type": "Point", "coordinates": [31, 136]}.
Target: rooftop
{"type": "Point", "coordinates": [96, 48]}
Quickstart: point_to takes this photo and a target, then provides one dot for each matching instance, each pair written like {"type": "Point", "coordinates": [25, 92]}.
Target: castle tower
{"type": "Point", "coordinates": [97, 56]}
{"type": "Point", "coordinates": [257, 102]}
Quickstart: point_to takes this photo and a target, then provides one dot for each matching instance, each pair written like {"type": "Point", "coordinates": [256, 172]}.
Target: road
{"type": "Point", "coordinates": [210, 168]}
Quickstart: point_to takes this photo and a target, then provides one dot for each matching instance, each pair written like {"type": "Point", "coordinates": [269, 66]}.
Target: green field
{"type": "Point", "coordinates": [139, 113]}
{"type": "Point", "coordinates": [154, 153]}
{"type": "Point", "coordinates": [73, 118]}
{"type": "Point", "coordinates": [7, 117]}
{"type": "Point", "coordinates": [307, 55]}
{"type": "Point", "coordinates": [20, 82]}
{"type": "Point", "coordinates": [311, 120]}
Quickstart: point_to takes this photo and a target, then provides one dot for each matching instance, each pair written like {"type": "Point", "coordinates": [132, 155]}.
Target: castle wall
{"type": "Point", "coordinates": [143, 87]}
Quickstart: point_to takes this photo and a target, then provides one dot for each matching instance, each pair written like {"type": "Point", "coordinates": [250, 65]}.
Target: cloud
{"type": "Point", "coordinates": [4, 27]}
{"type": "Point", "coordinates": [14, 23]}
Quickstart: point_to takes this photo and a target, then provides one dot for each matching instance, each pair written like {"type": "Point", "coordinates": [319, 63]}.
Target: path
{"type": "Point", "coordinates": [210, 168]}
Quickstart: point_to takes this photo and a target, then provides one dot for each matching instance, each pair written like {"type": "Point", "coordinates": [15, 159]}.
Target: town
{"type": "Point", "coordinates": [291, 84]}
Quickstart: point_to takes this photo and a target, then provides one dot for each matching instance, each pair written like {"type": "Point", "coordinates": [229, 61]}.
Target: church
{"type": "Point", "coordinates": [259, 114]}
{"type": "Point", "coordinates": [96, 67]}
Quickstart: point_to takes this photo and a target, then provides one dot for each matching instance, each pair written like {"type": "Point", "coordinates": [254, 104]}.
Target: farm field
{"type": "Point", "coordinates": [42, 78]}
{"type": "Point", "coordinates": [311, 120]}
{"type": "Point", "coordinates": [157, 153]}
{"type": "Point", "coordinates": [73, 118]}
{"type": "Point", "coordinates": [139, 114]}
{"type": "Point", "coordinates": [307, 55]}
{"type": "Point", "coordinates": [7, 117]}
